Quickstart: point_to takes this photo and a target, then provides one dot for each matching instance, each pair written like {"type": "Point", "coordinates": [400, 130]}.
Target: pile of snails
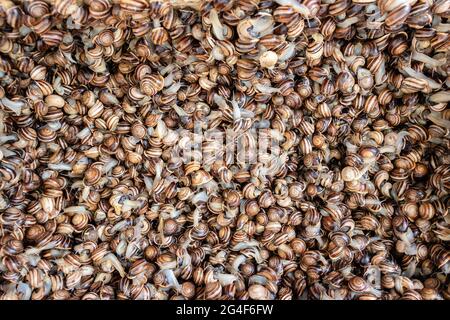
{"type": "Point", "coordinates": [233, 150]}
